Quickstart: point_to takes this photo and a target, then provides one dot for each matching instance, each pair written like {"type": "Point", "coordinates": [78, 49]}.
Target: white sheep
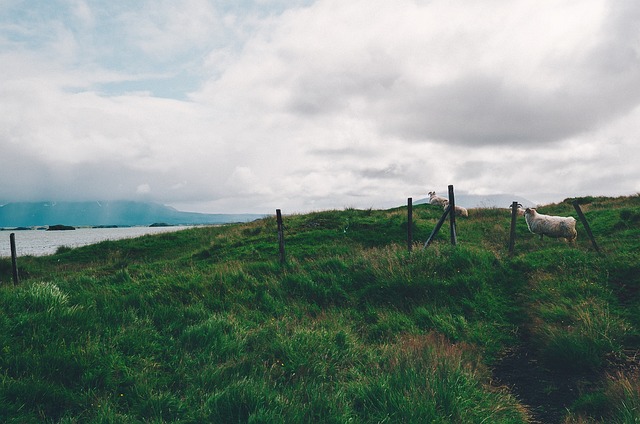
{"type": "Point", "coordinates": [437, 200]}
{"type": "Point", "coordinates": [460, 211]}
{"type": "Point", "coordinates": [519, 211]}
{"type": "Point", "coordinates": [552, 226]}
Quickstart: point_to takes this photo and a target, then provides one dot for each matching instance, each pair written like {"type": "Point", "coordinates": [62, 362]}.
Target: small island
{"type": "Point", "coordinates": [60, 227]}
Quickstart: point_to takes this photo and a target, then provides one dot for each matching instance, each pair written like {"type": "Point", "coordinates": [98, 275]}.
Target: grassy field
{"type": "Point", "coordinates": [206, 325]}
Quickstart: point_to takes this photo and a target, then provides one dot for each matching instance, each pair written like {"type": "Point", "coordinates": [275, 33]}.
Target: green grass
{"type": "Point", "coordinates": [205, 324]}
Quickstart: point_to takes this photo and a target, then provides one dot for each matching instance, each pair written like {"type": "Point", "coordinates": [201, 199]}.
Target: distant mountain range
{"type": "Point", "coordinates": [130, 213]}
{"type": "Point", "coordinates": [484, 201]}
{"type": "Point", "coordinates": [111, 213]}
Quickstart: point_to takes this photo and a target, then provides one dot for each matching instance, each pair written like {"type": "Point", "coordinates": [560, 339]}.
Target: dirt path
{"type": "Point", "coordinates": [546, 395]}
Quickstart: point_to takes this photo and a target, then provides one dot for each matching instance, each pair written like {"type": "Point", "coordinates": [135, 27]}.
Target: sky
{"type": "Point", "coordinates": [246, 106]}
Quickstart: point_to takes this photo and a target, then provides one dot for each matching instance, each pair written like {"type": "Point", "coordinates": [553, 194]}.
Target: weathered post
{"type": "Point", "coordinates": [452, 216]}
{"type": "Point", "coordinates": [409, 223]}
{"type": "Point", "coordinates": [437, 228]}
{"type": "Point", "coordinates": [14, 259]}
{"type": "Point", "coordinates": [512, 233]}
{"type": "Point", "coordinates": [583, 219]}
{"type": "Point", "coordinates": [280, 235]}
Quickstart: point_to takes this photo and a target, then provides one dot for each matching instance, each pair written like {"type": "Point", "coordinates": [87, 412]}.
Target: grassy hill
{"type": "Point", "coordinates": [206, 325]}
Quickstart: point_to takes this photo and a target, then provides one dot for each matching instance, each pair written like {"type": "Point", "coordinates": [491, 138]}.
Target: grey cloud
{"type": "Point", "coordinates": [20, 173]}
{"type": "Point", "coordinates": [485, 110]}
{"type": "Point", "coordinates": [488, 107]}
{"type": "Point", "coordinates": [318, 89]}
{"type": "Point", "coordinates": [392, 171]}
{"type": "Point", "coordinates": [478, 110]}
{"type": "Point", "coordinates": [474, 169]}
{"type": "Point", "coordinates": [38, 179]}
{"type": "Point", "coordinates": [354, 152]}
{"type": "Point", "coordinates": [42, 180]}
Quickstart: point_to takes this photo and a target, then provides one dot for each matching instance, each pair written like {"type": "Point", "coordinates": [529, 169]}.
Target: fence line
{"type": "Point", "coordinates": [409, 223]}
{"type": "Point", "coordinates": [452, 217]}
{"type": "Point", "coordinates": [437, 227]}
{"type": "Point", "coordinates": [280, 236]}
{"type": "Point", "coordinates": [585, 224]}
{"type": "Point", "coordinates": [14, 259]}
{"type": "Point", "coordinates": [512, 233]}
{"type": "Point", "coordinates": [449, 210]}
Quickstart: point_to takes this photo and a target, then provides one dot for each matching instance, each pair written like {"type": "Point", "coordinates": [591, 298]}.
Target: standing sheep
{"type": "Point", "coordinates": [460, 211]}
{"type": "Point", "coordinates": [437, 200]}
{"type": "Point", "coordinates": [552, 226]}
{"type": "Point", "coordinates": [520, 211]}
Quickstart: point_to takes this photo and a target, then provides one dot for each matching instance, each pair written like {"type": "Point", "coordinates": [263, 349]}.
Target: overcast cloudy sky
{"type": "Point", "coordinates": [251, 105]}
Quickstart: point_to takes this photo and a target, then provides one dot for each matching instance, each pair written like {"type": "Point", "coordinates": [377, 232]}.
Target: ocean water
{"type": "Point", "coordinates": [40, 242]}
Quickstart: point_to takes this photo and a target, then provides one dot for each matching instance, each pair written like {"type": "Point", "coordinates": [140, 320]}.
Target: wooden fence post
{"type": "Point", "coordinates": [512, 233]}
{"type": "Point", "coordinates": [583, 219]}
{"type": "Point", "coordinates": [280, 235]}
{"type": "Point", "coordinates": [437, 228]}
{"type": "Point", "coordinates": [409, 223]}
{"type": "Point", "coordinates": [452, 216]}
{"type": "Point", "coordinates": [14, 259]}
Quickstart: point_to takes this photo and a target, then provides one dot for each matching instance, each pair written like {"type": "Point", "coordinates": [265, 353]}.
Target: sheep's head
{"type": "Point", "coordinates": [530, 211]}
{"type": "Point", "coordinates": [432, 193]}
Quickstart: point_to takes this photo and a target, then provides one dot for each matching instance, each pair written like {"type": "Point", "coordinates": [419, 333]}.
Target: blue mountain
{"type": "Point", "coordinates": [118, 213]}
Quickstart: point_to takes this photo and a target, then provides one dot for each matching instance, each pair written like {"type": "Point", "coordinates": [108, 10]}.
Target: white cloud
{"type": "Point", "coordinates": [312, 105]}
{"type": "Point", "coordinates": [456, 73]}
{"type": "Point", "coordinates": [143, 189]}
{"type": "Point", "coordinates": [163, 29]}
{"type": "Point", "coordinates": [83, 13]}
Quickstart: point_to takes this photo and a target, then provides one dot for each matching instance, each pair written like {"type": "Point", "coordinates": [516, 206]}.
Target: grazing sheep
{"type": "Point", "coordinates": [552, 226]}
{"type": "Point", "coordinates": [520, 210]}
{"type": "Point", "coordinates": [437, 200]}
{"type": "Point", "coordinates": [460, 211]}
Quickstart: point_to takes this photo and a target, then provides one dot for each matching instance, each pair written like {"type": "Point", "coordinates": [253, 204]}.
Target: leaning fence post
{"type": "Point", "coordinates": [437, 228]}
{"type": "Point", "coordinates": [409, 223]}
{"type": "Point", "coordinates": [512, 234]}
{"type": "Point", "coordinates": [280, 235]}
{"type": "Point", "coordinates": [583, 219]}
{"type": "Point", "coordinates": [452, 216]}
{"type": "Point", "coordinates": [14, 259]}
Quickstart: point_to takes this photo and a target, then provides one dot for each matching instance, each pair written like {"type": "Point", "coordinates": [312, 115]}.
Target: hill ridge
{"type": "Point", "coordinates": [98, 213]}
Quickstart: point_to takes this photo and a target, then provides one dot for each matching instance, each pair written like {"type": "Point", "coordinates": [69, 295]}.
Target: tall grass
{"type": "Point", "coordinates": [205, 325]}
